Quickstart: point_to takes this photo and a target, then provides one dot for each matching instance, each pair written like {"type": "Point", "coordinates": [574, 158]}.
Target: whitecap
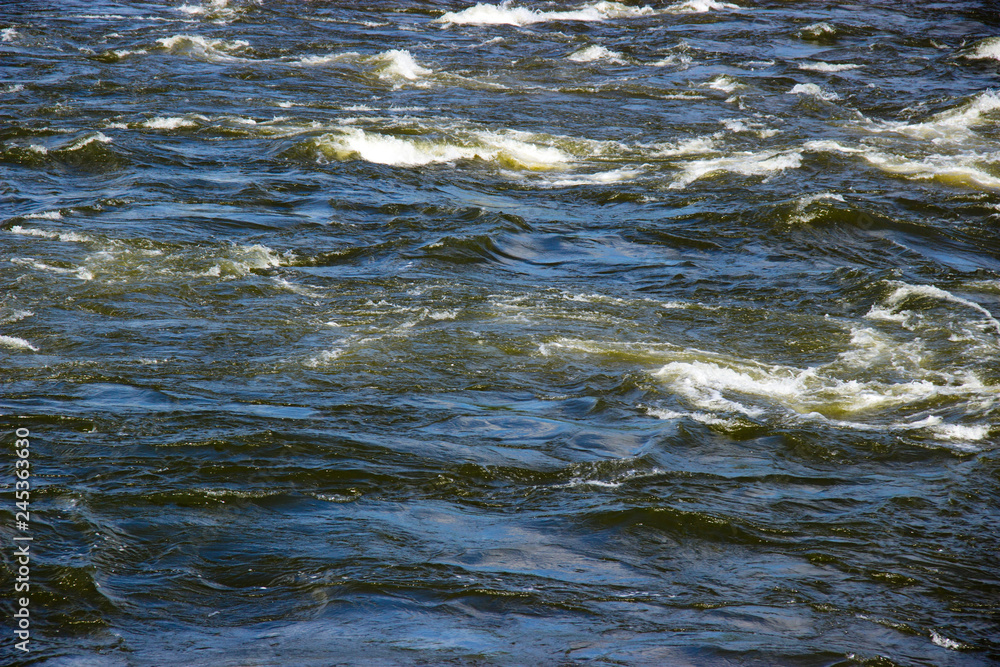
{"type": "Point", "coordinates": [218, 50]}
{"type": "Point", "coordinates": [507, 14]}
{"type": "Point", "coordinates": [88, 139]}
{"type": "Point", "coordinates": [744, 163]}
{"type": "Point", "coordinates": [820, 66]}
{"type": "Point", "coordinates": [65, 237]}
{"type": "Point", "coordinates": [950, 126]}
{"type": "Point", "coordinates": [813, 90]}
{"type": "Point", "coordinates": [818, 31]}
{"type": "Point", "coordinates": [988, 49]}
{"type": "Point", "coordinates": [378, 148]}
{"type": "Point", "coordinates": [724, 83]}
{"type": "Point", "coordinates": [168, 123]}
{"type": "Point", "coordinates": [16, 343]}
{"type": "Point", "coordinates": [396, 65]}
{"type": "Point", "coordinates": [700, 6]}
{"type": "Point", "coordinates": [594, 53]}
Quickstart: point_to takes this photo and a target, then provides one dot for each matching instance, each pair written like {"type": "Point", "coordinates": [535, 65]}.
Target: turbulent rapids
{"type": "Point", "coordinates": [536, 332]}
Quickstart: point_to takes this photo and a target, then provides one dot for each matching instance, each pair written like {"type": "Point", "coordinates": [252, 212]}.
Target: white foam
{"type": "Point", "coordinates": [954, 169]}
{"type": "Point", "coordinates": [802, 203]}
{"type": "Point", "coordinates": [594, 53]}
{"type": "Point", "coordinates": [17, 343]}
{"type": "Point", "coordinates": [88, 139]}
{"type": "Point", "coordinates": [313, 61]}
{"type": "Point", "coordinates": [414, 151]}
{"type": "Point", "coordinates": [692, 146]}
{"type": "Point", "coordinates": [622, 175]}
{"type": "Point", "coordinates": [699, 6]}
{"type": "Point", "coordinates": [951, 432]}
{"type": "Point", "coordinates": [218, 50]}
{"type": "Point", "coordinates": [211, 6]}
{"type": "Point", "coordinates": [746, 164]}
{"type": "Point", "coordinates": [944, 642]}
{"type": "Point", "coordinates": [725, 84]}
{"type": "Point", "coordinates": [44, 215]}
{"type": "Point", "coordinates": [506, 14]}
{"type": "Point", "coordinates": [818, 31]}
{"type": "Point", "coordinates": [951, 126]}
{"type": "Point", "coordinates": [707, 419]}
{"type": "Point", "coordinates": [9, 34]}
{"type": "Point", "coordinates": [257, 256]}
{"type": "Point", "coordinates": [324, 357]}
{"type": "Point", "coordinates": [171, 123]}
{"type": "Point", "coordinates": [905, 291]}
{"type": "Point", "coordinates": [746, 125]}
{"type": "Point", "coordinates": [673, 59]}
{"type": "Point", "coordinates": [988, 49]}
{"type": "Point", "coordinates": [14, 88]}
{"type": "Point", "coordinates": [820, 66]}
{"type": "Point", "coordinates": [813, 90]}
{"type": "Point", "coordinates": [16, 316]}
{"type": "Point", "coordinates": [66, 237]}
{"type": "Point", "coordinates": [851, 392]}
{"type": "Point", "coordinates": [83, 273]}
{"type": "Point", "coordinates": [396, 65]}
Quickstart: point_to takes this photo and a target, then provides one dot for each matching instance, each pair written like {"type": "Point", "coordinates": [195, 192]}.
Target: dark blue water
{"type": "Point", "coordinates": [528, 334]}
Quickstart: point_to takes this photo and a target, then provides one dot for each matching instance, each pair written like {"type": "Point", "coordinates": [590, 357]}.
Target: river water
{"type": "Point", "coordinates": [525, 334]}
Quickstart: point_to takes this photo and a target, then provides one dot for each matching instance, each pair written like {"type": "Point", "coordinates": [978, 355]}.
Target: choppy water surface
{"type": "Point", "coordinates": [539, 333]}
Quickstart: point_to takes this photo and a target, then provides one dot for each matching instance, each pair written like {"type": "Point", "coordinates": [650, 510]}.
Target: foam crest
{"type": "Point", "coordinates": [951, 126]}
{"type": "Point", "coordinates": [65, 237]}
{"type": "Point", "coordinates": [594, 53]}
{"type": "Point", "coordinates": [905, 292]}
{"type": "Point", "coordinates": [724, 83]}
{"type": "Point", "coordinates": [877, 383]}
{"type": "Point", "coordinates": [9, 34]}
{"type": "Point", "coordinates": [168, 123]}
{"type": "Point", "coordinates": [745, 164]}
{"type": "Point", "coordinates": [813, 90]}
{"type": "Point", "coordinates": [952, 169]}
{"type": "Point", "coordinates": [16, 343]}
{"type": "Point", "coordinates": [506, 14]}
{"type": "Point", "coordinates": [818, 32]}
{"type": "Point", "coordinates": [692, 146]}
{"type": "Point", "coordinates": [988, 49]}
{"type": "Point", "coordinates": [88, 139]}
{"type": "Point", "coordinates": [196, 46]}
{"type": "Point", "coordinates": [397, 66]}
{"type": "Point", "coordinates": [205, 8]}
{"type": "Point", "coordinates": [700, 6]}
{"type": "Point", "coordinates": [828, 67]}
{"type": "Point", "coordinates": [351, 143]}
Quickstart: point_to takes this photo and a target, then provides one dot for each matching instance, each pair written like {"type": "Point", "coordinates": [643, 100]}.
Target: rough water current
{"type": "Point", "coordinates": [539, 333]}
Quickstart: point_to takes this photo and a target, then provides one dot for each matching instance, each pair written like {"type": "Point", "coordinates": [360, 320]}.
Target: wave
{"type": "Point", "coordinates": [811, 89]}
{"type": "Point", "coordinates": [118, 260]}
{"type": "Point", "coordinates": [743, 163]}
{"type": "Point", "coordinates": [950, 126]}
{"type": "Point", "coordinates": [961, 170]}
{"type": "Point", "coordinates": [594, 53]}
{"type": "Point", "coordinates": [16, 343]}
{"type": "Point", "coordinates": [820, 66]}
{"type": "Point", "coordinates": [506, 14]}
{"type": "Point", "coordinates": [988, 49]}
{"type": "Point", "coordinates": [504, 148]}
{"type": "Point", "coordinates": [398, 66]}
{"type": "Point", "coordinates": [213, 50]}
